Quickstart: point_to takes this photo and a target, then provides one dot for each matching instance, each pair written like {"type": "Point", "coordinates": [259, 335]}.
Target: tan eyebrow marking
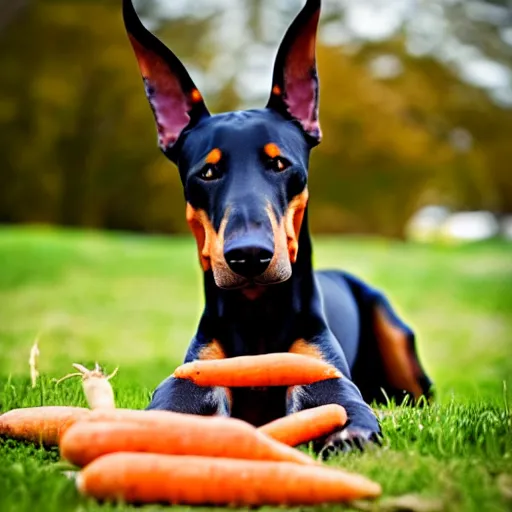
{"type": "Point", "coordinates": [276, 90]}
{"type": "Point", "coordinates": [196, 96]}
{"type": "Point", "coordinates": [271, 150]}
{"type": "Point", "coordinates": [214, 156]}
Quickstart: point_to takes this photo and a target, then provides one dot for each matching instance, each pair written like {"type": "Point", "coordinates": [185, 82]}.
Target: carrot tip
{"type": "Point", "coordinates": [79, 482]}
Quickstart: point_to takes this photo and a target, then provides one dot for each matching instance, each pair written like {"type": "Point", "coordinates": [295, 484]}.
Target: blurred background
{"type": "Point", "coordinates": [411, 190]}
{"type": "Point", "coordinates": [416, 111]}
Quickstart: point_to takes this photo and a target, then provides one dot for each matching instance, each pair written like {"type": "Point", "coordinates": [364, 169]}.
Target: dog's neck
{"type": "Point", "coordinates": [275, 318]}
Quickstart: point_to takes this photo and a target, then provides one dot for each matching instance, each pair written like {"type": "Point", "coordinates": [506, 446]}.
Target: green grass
{"type": "Point", "coordinates": [134, 302]}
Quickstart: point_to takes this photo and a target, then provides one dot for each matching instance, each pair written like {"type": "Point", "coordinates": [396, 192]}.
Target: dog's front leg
{"type": "Point", "coordinates": [362, 426]}
{"type": "Point", "coordinates": [179, 395]}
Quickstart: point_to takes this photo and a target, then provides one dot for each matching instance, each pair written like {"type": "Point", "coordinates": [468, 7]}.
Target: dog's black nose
{"type": "Point", "coordinates": [250, 261]}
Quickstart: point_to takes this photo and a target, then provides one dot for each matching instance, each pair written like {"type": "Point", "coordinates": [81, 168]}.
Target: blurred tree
{"type": "Point", "coordinates": [78, 144]}
{"type": "Point", "coordinates": [402, 126]}
{"type": "Point", "coordinates": [375, 159]}
{"type": "Point", "coordinates": [9, 11]}
{"type": "Point", "coordinates": [392, 144]}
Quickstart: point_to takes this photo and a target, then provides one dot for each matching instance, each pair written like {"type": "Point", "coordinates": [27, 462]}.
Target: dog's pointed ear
{"type": "Point", "coordinates": [175, 100]}
{"type": "Point", "coordinates": [295, 80]}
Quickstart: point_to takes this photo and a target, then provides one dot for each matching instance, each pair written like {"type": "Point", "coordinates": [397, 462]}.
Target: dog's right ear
{"type": "Point", "coordinates": [175, 100]}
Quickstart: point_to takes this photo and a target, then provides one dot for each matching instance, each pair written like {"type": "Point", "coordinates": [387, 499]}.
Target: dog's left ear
{"type": "Point", "coordinates": [295, 81]}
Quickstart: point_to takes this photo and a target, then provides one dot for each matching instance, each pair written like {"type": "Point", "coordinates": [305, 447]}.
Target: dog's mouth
{"type": "Point", "coordinates": [254, 284]}
{"type": "Point", "coordinates": [228, 280]}
{"type": "Point", "coordinates": [252, 290]}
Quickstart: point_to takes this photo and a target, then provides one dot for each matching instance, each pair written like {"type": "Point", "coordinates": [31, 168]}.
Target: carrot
{"type": "Point", "coordinates": [174, 434]}
{"type": "Point", "coordinates": [189, 480]}
{"type": "Point", "coordinates": [97, 388]}
{"type": "Point", "coordinates": [48, 424]}
{"type": "Point", "coordinates": [304, 426]}
{"type": "Point", "coordinates": [277, 369]}
{"type": "Point", "coordinates": [43, 425]}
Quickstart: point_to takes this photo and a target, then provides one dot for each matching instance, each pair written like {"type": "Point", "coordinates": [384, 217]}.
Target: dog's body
{"type": "Point", "coordinates": [245, 181]}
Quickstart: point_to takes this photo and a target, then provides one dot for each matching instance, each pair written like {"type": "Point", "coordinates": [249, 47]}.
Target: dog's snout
{"type": "Point", "coordinates": [248, 261]}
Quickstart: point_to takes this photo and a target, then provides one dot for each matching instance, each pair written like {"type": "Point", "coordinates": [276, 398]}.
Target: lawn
{"type": "Point", "coordinates": [134, 301]}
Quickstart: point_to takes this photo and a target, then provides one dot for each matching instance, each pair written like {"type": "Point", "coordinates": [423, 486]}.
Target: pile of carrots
{"type": "Point", "coordinates": [160, 456]}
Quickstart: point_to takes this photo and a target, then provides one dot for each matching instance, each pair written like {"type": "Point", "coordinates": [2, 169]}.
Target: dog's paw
{"type": "Point", "coordinates": [348, 439]}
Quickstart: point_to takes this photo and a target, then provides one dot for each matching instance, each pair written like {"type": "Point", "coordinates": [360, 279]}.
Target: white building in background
{"type": "Point", "coordinates": [437, 223]}
{"type": "Point", "coordinates": [506, 228]}
{"type": "Point", "coordinates": [425, 224]}
{"type": "Point", "coordinates": [470, 226]}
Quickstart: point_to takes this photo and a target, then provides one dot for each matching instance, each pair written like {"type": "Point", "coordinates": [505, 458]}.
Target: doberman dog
{"type": "Point", "coordinates": [244, 175]}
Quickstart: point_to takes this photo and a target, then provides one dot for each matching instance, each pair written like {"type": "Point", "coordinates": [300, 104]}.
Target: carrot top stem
{"type": "Point", "coordinates": [97, 388]}
{"type": "Point", "coordinates": [97, 372]}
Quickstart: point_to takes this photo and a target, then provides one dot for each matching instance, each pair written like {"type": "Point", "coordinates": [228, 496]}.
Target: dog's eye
{"type": "Point", "coordinates": [278, 164]}
{"type": "Point", "coordinates": [209, 172]}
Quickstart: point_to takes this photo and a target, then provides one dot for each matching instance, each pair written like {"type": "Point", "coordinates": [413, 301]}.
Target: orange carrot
{"type": "Point", "coordinates": [43, 425]}
{"type": "Point", "coordinates": [304, 426]}
{"type": "Point", "coordinates": [277, 369]}
{"type": "Point", "coordinates": [153, 417]}
{"type": "Point", "coordinates": [174, 434]}
{"type": "Point", "coordinates": [189, 480]}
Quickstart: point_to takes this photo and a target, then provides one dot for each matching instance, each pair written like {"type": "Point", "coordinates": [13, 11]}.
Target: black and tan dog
{"type": "Point", "coordinates": [245, 181]}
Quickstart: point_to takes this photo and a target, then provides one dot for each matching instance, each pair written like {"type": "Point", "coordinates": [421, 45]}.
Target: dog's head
{"type": "Point", "coordinates": [244, 173]}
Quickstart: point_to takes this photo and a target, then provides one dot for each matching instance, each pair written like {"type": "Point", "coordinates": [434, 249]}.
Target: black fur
{"type": "Point", "coordinates": [332, 311]}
